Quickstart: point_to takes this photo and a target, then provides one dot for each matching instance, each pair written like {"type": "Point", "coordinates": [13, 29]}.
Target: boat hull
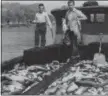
{"type": "Point", "coordinates": [47, 54]}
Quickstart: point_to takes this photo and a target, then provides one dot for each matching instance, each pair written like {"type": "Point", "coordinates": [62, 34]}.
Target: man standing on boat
{"type": "Point", "coordinates": [42, 20]}
{"type": "Point", "coordinates": [71, 23]}
{"type": "Point", "coordinates": [72, 20]}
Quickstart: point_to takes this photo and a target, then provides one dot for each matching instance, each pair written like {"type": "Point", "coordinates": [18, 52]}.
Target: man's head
{"type": "Point", "coordinates": [71, 4]}
{"type": "Point", "coordinates": [41, 8]}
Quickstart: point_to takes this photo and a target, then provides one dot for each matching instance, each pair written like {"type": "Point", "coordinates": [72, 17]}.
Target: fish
{"type": "Point", "coordinates": [14, 87]}
{"type": "Point", "coordinates": [72, 87]}
{"type": "Point", "coordinates": [51, 90]}
{"type": "Point", "coordinates": [70, 76]}
{"type": "Point", "coordinates": [81, 90]}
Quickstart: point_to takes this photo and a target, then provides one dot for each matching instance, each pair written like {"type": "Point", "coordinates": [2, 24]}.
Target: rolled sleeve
{"type": "Point", "coordinates": [80, 14]}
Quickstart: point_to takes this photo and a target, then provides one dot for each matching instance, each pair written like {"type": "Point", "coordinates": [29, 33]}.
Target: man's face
{"type": "Point", "coordinates": [71, 5]}
{"type": "Point", "coordinates": [41, 9]}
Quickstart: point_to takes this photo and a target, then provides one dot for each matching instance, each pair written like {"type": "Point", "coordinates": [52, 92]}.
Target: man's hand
{"type": "Point", "coordinates": [34, 21]}
{"type": "Point", "coordinates": [65, 28]}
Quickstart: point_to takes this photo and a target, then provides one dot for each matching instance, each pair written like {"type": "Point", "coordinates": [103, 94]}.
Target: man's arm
{"type": "Point", "coordinates": [49, 24]}
{"type": "Point", "coordinates": [48, 21]}
{"type": "Point", "coordinates": [81, 15]}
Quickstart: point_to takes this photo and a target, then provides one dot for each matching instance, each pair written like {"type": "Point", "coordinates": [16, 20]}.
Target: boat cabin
{"type": "Point", "coordinates": [96, 23]}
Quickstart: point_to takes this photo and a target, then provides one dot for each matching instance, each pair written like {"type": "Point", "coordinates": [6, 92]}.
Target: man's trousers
{"type": "Point", "coordinates": [72, 38]}
{"type": "Point", "coordinates": [40, 31]}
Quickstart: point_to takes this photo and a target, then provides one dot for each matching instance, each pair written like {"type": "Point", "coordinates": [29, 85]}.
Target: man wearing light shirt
{"type": "Point", "coordinates": [42, 20]}
{"type": "Point", "coordinates": [72, 23]}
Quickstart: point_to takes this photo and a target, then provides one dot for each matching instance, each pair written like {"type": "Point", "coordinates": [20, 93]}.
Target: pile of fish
{"type": "Point", "coordinates": [84, 78]}
{"type": "Point", "coordinates": [22, 76]}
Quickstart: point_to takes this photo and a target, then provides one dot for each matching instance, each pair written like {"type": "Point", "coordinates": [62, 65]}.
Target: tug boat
{"type": "Point", "coordinates": [96, 23]}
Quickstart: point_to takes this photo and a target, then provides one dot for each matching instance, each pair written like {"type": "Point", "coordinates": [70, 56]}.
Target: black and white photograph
{"type": "Point", "coordinates": [54, 47]}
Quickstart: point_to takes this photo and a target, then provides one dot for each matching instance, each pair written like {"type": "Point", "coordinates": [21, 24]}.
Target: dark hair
{"type": "Point", "coordinates": [69, 1]}
{"type": "Point", "coordinates": [41, 4]}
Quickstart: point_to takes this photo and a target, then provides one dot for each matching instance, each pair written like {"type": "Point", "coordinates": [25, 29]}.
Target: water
{"type": "Point", "coordinates": [16, 40]}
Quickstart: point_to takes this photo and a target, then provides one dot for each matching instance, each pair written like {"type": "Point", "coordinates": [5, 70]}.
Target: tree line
{"type": "Point", "coordinates": [19, 13]}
